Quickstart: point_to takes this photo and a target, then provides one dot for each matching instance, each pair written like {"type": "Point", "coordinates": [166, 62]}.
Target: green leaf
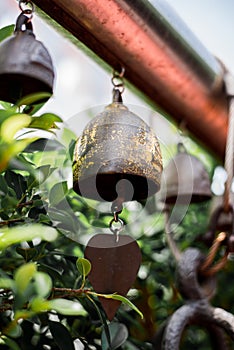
{"type": "Point", "coordinates": [45, 121]}
{"type": "Point", "coordinates": [13, 124]}
{"type": "Point", "coordinates": [7, 31]}
{"type": "Point", "coordinates": [27, 253]}
{"type": "Point", "coordinates": [19, 163]}
{"type": "Point", "coordinates": [61, 336]}
{"type": "Point", "coordinates": [33, 98]}
{"type": "Point", "coordinates": [118, 335]}
{"type": "Point", "coordinates": [32, 109]}
{"type": "Point", "coordinates": [45, 171]}
{"type": "Point", "coordinates": [39, 305]}
{"type": "Point", "coordinates": [72, 146]}
{"type": "Point", "coordinates": [83, 220]}
{"type": "Point", "coordinates": [10, 343]}
{"type": "Point", "coordinates": [83, 266]}
{"type": "Point", "coordinates": [14, 331]}
{"type": "Point", "coordinates": [7, 283]}
{"type": "Point", "coordinates": [58, 193]}
{"type": "Point", "coordinates": [18, 146]}
{"type": "Point", "coordinates": [63, 219]}
{"type": "Point", "coordinates": [10, 150]}
{"type": "Point", "coordinates": [67, 307]}
{"type": "Point", "coordinates": [9, 202]}
{"type": "Point", "coordinates": [6, 105]}
{"type": "Point", "coordinates": [43, 145]}
{"type": "Point", "coordinates": [3, 185]}
{"type": "Point", "coordinates": [24, 233]}
{"type": "Point", "coordinates": [42, 284]}
{"type": "Point", "coordinates": [23, 276]}
{"type": "Point", "coordinates": [54, 273]}
{"type": "Point", "coordinates": [4, 114]}
{"type": "Point", "coordinates": [122, 299]}
{"type": "Point", "coordinates": [16, 182]}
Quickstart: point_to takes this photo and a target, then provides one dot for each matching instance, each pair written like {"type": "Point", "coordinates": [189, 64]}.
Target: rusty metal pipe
{"type": "Point", "coordinates": [161, 57]}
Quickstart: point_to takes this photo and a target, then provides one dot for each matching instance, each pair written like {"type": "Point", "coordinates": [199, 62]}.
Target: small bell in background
{"type": "Point", "coordinates": [117, 145]}
{"type": "Point", "coordinates": [184, 180]}
{"type": "Point", "coordinates": [25, 64]}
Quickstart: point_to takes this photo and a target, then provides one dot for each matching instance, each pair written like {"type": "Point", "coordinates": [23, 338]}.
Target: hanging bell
{"type": "Point", "coordinates": [25, 64]}
{"type": "Point", "coordinates": [184, 180]}
{"type": "Point", "coordinates": [117, 156]}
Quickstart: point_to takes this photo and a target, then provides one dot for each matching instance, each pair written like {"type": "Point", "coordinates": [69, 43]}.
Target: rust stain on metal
{"type": "Point", "coordinates": [117, 145]}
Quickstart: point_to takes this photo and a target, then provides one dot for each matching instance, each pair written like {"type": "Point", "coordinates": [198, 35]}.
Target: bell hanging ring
{"type": "Point", "coordinates": [117, 156]}
{"type": "Point", "coordinates": [184, 180]}
{"type": "Point", "coordinates": [25, 64]}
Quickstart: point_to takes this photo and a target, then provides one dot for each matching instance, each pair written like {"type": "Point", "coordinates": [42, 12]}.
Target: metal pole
{"type": "Point", "coordinates": [162, 58]}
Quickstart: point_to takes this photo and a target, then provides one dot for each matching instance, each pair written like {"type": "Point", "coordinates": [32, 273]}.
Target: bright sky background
{"type": "Point", "coordinates": [212, 21]}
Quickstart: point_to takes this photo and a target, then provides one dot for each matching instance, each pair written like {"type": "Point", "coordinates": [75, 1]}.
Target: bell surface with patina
{"type": "Point", "coordinates": [117, 156]}
{"type": "Point", "coordinates": [185, 180]}
{"type": "Point", "coordinates": [25, 64]}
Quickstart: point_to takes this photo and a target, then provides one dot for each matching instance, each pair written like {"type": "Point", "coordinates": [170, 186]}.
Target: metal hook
{"type": "Point", "coordinates": [114, 230]}
{"type": "Point", "coordinates": [118, 83]}
{"type": "Point", "coordinates": [119, 74]}
{"type": "Point", "coordinates": [27, 11]}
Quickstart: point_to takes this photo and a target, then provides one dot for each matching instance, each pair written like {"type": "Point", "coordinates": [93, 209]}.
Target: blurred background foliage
{"type": "Point", "coordinates": [44, 226]}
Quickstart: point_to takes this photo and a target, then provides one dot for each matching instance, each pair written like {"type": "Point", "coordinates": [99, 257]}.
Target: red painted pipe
{"type": "Point", "coordinates": [161, 57]}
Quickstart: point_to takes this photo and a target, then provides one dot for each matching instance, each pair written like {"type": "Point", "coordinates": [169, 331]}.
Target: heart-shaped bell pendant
{"type": "Point", "coordinates": [25, 64]}
{"type": "Point", "coordinates": [117, 145]}
{"type": "Point", "coordinates": [115, 261]}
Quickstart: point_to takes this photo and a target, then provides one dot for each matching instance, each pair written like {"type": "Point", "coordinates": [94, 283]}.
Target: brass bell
{"type": "Point", "coordinates": [184, 180]}
{"type": "Point", "coordinates": [25, 64]}
{"type": "Point", "coordinates": [117, 145]}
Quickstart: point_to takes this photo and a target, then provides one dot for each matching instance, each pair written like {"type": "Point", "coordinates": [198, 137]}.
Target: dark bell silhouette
{"type": "Point", "coordinates": [25, 64]}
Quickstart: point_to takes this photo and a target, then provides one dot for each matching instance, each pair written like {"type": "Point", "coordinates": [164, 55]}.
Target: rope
{"type": "Point", "coordinates": [227, 200]}
{"type": "Point", "coordinates": [206, 268]}
{"type": "Point", "coordinates": [217, 267]}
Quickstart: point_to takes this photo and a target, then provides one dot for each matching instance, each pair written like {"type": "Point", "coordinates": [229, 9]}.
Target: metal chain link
{"type": "Point", "coordinates": [118, 81]}
{"type": "Point", "coordinates": [116, 230]}
{"type": "Point", "coordinates": [27, 7]}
